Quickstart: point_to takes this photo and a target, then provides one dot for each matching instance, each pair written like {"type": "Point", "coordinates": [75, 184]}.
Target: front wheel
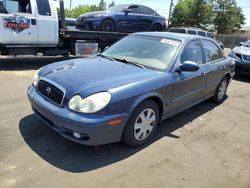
{"type": "Point", "coordinates": [220, 93]}
{"type": "Point", "coordinates": [142, 124]}
{"type": "Point", "coordinates": [108, 26]}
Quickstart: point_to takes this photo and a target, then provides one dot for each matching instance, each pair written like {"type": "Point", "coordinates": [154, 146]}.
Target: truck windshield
{"type": "Point", "coordinates": [148, 51]}
{"type": "Point", "coordinates": [13, 6]}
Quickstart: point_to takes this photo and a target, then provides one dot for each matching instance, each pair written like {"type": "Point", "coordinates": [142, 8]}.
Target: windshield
{"type": "Point", "coordinates": [247, 43]}
{"type": "Point", "coordinates": [117, 8]}
{"type": "Point", "coordinates": [152, 52]}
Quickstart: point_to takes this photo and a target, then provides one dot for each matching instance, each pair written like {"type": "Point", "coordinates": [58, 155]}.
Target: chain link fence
{"type": "Point", "coordinates": [230, 41]}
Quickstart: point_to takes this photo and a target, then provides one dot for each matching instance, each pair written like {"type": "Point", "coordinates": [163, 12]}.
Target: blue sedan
{"type": "Point", "coordinates": [128, 90]}
{"type": "Point", "coordinates": [122, 18]}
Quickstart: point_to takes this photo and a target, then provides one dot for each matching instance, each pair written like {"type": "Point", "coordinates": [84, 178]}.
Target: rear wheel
{"type": "Point", "coordinates": [142, 124]}
{"type": "Point", "coordinates": [157, 27]}
{"type": "Point", "coordinates": [108, 25]}
{"type": "Point", "coordinates": [220, 93]}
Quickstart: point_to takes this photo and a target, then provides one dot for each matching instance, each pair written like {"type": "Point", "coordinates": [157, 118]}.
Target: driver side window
{"type": "Point", "coordinates": [15, 6]}
{"type": "Point", "coordinates": [192, 52]}
{"type": "Point", "coordinates": [134, 9]}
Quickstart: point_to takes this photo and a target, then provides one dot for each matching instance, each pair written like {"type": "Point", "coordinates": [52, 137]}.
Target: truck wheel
{"type": "Point", "coordinates": [220, 93]}
{"type": "Point", "coordinates": [108, 25]}
{"type": "Point", "coordinates": [142, 124]}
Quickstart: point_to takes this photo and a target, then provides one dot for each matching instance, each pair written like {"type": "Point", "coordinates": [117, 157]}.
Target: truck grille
{"type": "Point", "coordinates": [246, 57]}
{"type": "Point", "coordinates": [51, 92]}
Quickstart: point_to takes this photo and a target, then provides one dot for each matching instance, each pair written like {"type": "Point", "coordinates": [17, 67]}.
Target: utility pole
{"type": "Point", "coordinates": [170, 11]}
{"type": "Point", "coordinates": [70, 4]}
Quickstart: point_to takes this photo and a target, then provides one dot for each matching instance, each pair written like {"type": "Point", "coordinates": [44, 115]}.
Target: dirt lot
{"type": "Point", "coordinates": [205, 146]}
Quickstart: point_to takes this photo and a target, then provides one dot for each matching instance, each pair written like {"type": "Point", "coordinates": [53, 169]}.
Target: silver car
{"type": "Point", "coordinates": [241, 55]}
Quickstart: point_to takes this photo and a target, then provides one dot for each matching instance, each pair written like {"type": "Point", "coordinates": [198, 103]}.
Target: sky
{"type": "Point", "coordinates": [161, 6]}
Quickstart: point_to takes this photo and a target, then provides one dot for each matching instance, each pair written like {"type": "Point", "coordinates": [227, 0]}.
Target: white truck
{"type": "Point", "coordinates": [28, 27]}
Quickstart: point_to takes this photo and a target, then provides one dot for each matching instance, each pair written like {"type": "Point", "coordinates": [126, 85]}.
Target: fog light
{"type": "Point", "coordinates": [77, 135]}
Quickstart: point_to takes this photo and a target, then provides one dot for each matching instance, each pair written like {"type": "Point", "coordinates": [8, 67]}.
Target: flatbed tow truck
{"type": "Point", "coordinates": [31, 27]}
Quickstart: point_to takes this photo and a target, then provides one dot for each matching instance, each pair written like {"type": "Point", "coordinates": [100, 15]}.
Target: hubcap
{"type": "Point", "coordinates": [144, 124]}
{"type": "Point", "coordinates": [222, 89]}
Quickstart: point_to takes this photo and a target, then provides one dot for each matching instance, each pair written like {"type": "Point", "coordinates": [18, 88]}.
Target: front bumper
{"type": "Point", "coordinates": [95, 129]}
{"type": "Point", "coordinates": [89, 25]}
{"type": "Point", "coordinates": [242, 67]}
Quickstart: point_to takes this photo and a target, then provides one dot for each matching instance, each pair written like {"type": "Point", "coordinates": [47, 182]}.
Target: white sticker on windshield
{"type": "Point", "coordinates": [171, 42]}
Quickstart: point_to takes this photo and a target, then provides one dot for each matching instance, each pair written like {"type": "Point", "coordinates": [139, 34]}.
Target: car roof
{"type": "Point", "coordinates": [177, 36]}
{"type": "Point", "coordinates": [190, 28]}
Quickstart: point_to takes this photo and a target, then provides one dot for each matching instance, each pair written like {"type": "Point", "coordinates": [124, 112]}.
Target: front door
{"type": "Point", "coordinates": [189, 87]}
{"type": "Point", "coordinates": [47, 21]}
{"type": "Point", "coordinates": [130, 22]}
{"type": "Point", "coordinates": [18, 22]}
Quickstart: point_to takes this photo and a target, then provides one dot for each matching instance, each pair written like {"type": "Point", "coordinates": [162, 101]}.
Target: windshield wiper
{"type": "Point", "coordinates": [129, 62]}
{"type": "Point", "coordinates": [106, 57]}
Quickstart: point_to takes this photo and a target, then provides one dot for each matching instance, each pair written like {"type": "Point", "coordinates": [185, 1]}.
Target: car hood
{"type": "Point", "coordinates": [242, 50]}
{"type": "Point", "coordinates": [87, 76]}
{"type": "Point", "coordinates": [95, 13]}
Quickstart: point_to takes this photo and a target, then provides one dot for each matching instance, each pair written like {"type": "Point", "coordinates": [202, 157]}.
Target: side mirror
{"type": "Point", "coordinates": [241, 43]}
{"type": "Point", "coordinates": [106, 48]}
{"type": "Point", "coordinates": [189, 66]}
{"type": "Point", "coordinates": [126, 11]}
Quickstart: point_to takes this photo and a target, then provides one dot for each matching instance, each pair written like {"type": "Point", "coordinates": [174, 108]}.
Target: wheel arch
{"type": "Point", "coordinates": [156, 98]}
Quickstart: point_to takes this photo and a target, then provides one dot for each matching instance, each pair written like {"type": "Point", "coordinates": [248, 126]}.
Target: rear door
{"type": "Point", "coordinates": [147, 17]}
{"type": "Point", "coordinates": [215, 63]}
{"type": "Point", "coordinates": [18, 22]}
{"type": "Point", "coordinates": [189, 87]}
{"type": "Point", "coordinates": [47, 21]}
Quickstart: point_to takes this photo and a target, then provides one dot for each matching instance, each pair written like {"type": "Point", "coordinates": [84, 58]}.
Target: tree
{"type": "Point", "coordinates": [81, 9]}
{"type": "Point", "coordinates": [228, 16]}
{"type": "Point", "coordinates": [192, 13]}
{"type": "Point", "coordinates": [102, 5]}
{"type": "Point", "coordinates": [111, 4]}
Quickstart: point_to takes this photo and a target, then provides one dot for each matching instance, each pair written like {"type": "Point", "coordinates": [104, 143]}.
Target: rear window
{"type": "Point", "coordinates": [210, 35]}
{"type": "Point", "coordinates": [145, 10]}
{"type": "Point", "coordinates": [202, 33]}
{"type": "Point", "coordinates": [43, 7]}
{"type": "Point", "coordinates": [192, 32]}
{"type": "Point", "coordinates": [177, 30]}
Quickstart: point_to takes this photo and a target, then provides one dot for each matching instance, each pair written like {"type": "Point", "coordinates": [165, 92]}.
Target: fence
{"type": "Point", "coordinates": [230, 41]}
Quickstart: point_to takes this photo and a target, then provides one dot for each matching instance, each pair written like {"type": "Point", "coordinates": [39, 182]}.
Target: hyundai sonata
{"type": "Point", "coordinates": [128, 90]}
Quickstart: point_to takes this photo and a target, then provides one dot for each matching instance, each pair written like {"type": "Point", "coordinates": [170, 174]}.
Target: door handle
{"type": "Point", "coordinates": [33, 21]}
{"type": "Point", "coordinates": [203, 74]}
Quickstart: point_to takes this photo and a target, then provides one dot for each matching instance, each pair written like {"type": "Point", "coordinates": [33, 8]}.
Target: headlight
{"type": "Point", "coordinates": [36, 77]}
{"type": "Point", "coordinates": [90, 104]}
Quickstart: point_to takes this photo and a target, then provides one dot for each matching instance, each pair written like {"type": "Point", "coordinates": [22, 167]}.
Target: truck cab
{"type": "Point", "coordinates": [30, 23]}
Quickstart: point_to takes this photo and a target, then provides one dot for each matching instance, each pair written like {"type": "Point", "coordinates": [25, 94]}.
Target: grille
{"type": "Point", "coordinates": [246, 57]}
{"type": "Point", "coordinates": [238, 55]}
{"type": "Point", "coordinates": [50, 91]}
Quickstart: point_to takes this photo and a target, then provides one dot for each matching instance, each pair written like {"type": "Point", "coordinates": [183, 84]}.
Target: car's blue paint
{"type": "Point", "coordinates": [124, 22]}
{"type": "Point", "coordinates": [129, 86]}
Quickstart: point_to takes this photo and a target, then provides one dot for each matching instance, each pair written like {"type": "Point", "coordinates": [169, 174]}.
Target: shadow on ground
{"type": "Point", "coordinates": [27, 62]}
{"type": "Point", "coordinates": [76, 158]}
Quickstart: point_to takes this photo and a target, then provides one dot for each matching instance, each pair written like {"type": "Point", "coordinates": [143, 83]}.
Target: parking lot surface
{"type": "Point", "coordinates": [205, 146]}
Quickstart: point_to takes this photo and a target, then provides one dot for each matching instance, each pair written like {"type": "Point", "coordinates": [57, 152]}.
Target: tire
{"type": "Point", "coordinates": [156, 27]}
{"type": "Point", "coordinates": [221, 90]}
{"type": "Point", "coordinates": [108, 26]}
{"type": "Point", "coordinates": [138, 131]}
